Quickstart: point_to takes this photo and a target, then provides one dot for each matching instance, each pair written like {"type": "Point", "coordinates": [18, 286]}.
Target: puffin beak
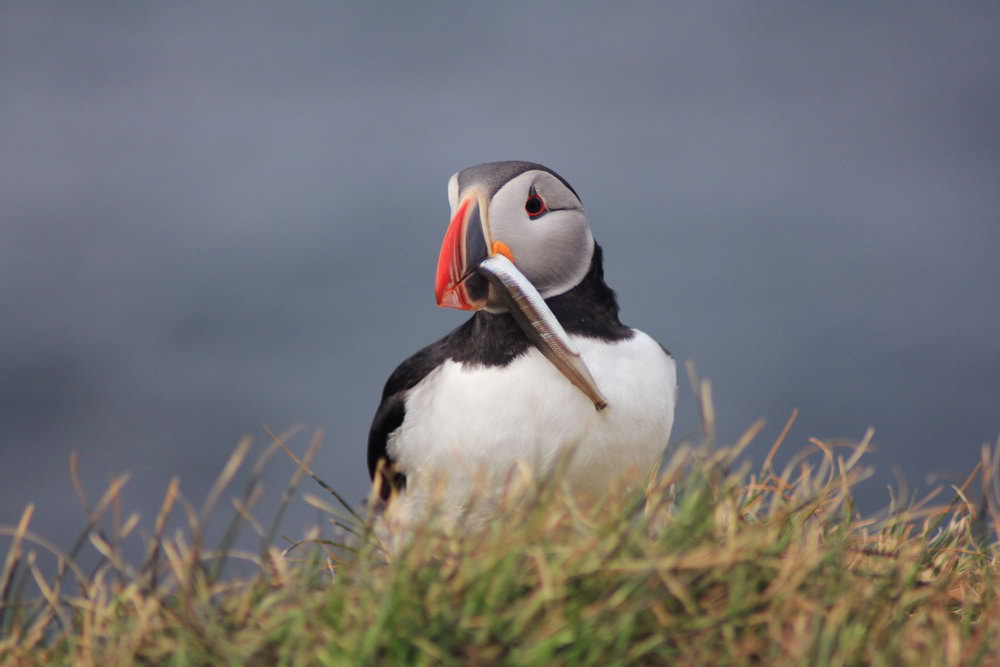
{"type": "Point", "coordinates": [466, 245]}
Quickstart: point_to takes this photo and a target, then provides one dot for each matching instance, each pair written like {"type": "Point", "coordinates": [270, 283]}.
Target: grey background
{"type": "Point", "coordinates": [218, 216]}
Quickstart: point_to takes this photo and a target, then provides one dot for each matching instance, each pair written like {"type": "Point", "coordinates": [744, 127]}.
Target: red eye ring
{"type": "Point", "coordinates": [534, 206]}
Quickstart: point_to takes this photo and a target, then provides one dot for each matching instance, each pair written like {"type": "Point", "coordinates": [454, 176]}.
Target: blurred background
{"type": "Point", "coordinates": [214, 217]}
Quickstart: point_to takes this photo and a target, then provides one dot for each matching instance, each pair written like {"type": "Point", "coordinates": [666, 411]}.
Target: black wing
{"type": "Point", "coordinates": [483, 339]}
{"type": "Point", "coordinates": [392, 410]}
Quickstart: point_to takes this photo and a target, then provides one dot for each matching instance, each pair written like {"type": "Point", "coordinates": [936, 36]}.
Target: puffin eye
{"type": "Point", "coordinates": [534, 206]}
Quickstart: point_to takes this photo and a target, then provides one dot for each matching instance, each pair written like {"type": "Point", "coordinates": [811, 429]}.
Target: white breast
{"type": "Point", "coordinates": [471, 425]}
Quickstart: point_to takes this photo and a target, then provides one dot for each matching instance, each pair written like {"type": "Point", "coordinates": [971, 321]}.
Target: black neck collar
{"type": "Point", "coordinates": [589, 309]}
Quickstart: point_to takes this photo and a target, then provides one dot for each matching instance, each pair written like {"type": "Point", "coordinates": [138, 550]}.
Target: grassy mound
{"type": "Point", "coordinates": [713, 564]}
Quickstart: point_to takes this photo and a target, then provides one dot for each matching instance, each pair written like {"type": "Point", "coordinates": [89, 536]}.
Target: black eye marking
{"type": "Point", "coordinates": [534, 206]}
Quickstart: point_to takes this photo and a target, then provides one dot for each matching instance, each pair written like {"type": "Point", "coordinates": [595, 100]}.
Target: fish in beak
{"type": "Point", "coordinates": [471, 262]}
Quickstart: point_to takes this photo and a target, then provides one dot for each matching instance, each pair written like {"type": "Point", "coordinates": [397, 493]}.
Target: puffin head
{"type": "Point", "coordinates": [523, 211]}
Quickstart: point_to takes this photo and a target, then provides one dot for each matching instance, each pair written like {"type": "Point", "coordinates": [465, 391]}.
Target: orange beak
{"type": "Point", "coordinates": [466, 244]}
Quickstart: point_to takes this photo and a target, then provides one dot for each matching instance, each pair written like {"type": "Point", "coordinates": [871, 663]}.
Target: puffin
{"type": "Point", "coordinates": [543, 371]}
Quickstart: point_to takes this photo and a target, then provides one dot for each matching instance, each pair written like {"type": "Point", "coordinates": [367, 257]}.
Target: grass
{"type": "Point", "coordinates": [715, 563]}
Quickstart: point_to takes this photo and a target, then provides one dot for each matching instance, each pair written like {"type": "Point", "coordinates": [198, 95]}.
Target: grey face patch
{"type": "Point", "coordinates": [553, 249]}
{"type": "Point", "coordinates": [491, 176]}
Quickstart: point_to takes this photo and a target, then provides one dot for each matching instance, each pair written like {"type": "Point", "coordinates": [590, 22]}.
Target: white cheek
{"type": "Point", "coordinates": [553, 252]}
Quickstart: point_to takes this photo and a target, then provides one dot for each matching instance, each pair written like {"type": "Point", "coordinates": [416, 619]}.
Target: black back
{"type": "Point", "coordinates": [589, 309]}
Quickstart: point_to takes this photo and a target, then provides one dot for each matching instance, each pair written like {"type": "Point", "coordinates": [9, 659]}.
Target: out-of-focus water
{"type": "Point", "coordinates": [214, 217]}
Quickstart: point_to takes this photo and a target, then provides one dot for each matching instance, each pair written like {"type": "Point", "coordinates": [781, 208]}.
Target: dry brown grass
{"type": "Point", "coordinates": [713, 564]}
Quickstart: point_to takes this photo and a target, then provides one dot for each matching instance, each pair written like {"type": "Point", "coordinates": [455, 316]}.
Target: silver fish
{"type": "Point", "coordinates": [540, 324]}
